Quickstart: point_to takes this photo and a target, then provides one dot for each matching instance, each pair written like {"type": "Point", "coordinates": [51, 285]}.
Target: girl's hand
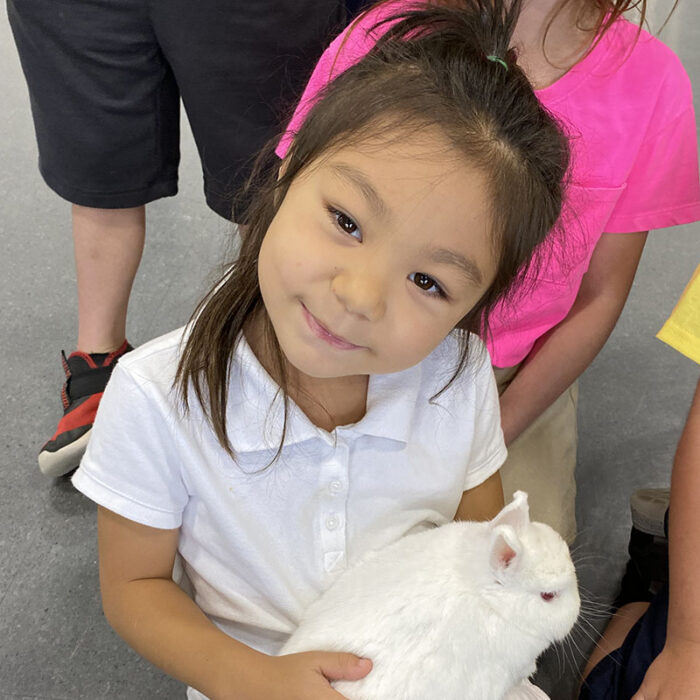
{"type": "Point", "coordinates": [674, 675]}
{"type": "Point", "coordinates": [308, 676]}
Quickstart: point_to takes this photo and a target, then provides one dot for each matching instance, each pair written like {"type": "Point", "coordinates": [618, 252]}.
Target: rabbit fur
{"type": "Point", "coordinates": [459, 612]}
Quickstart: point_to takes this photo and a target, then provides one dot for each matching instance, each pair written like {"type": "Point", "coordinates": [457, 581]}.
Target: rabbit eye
{"type": "Point", "coordinates": [548, 596]}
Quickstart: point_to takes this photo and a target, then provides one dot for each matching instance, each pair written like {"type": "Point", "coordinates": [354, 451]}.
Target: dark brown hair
{"type": "Point", "coordinates": [434, 68]}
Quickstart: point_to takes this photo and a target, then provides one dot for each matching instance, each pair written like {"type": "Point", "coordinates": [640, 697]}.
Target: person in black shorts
{"type": "Point", "coordinates": [105, 79]}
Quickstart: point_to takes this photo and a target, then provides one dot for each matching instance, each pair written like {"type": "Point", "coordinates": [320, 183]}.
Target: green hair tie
{"type": "Point", "coordinates": [496, 59]}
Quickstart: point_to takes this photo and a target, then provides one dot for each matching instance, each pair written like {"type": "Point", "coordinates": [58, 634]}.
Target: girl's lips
{"type": "Point", "coordinates": [320, 331]}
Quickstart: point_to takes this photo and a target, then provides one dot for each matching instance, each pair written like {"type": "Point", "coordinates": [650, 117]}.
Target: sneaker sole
{"type": "Point", "coordinates": [55, 464]}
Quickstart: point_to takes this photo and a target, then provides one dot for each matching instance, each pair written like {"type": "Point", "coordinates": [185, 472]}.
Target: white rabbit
{"type": "Point", "coordinates": [460, 612]}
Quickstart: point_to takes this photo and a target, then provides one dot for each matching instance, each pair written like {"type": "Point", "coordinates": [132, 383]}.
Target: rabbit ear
{"type": "Point", "coordinates": [516, 513]}
{"type": "Point", "coordinates": [505, 551]}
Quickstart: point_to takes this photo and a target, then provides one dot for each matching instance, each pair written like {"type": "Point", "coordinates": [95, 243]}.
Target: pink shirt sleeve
{"type": "Point", "coordinates": [346, 49]}
{"type": "Point", "coordinates": [322, 75]}
{"type": "Point", "coordinates": [663, 188]}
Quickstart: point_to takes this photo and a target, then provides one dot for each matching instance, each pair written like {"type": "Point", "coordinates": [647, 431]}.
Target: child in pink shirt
{"type": "Point", "coordinates": [625, 101]}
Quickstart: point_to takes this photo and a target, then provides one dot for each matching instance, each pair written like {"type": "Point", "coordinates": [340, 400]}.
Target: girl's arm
{"type": "Point", "coordinates": [165, 626]}
{"type": "Point", "coordinates": [561, 355]}
{"type": "Point", "coordinates": [483, 502]}
{"type": "Point", "coordinates": [676, 671]}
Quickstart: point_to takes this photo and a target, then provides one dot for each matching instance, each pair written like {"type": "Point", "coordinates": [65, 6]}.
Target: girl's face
{"type": "Point", "coordinates": [375, 255]}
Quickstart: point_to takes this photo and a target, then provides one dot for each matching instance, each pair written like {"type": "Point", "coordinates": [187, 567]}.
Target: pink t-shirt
{"type": "Point", "coordinates": [627, 109]}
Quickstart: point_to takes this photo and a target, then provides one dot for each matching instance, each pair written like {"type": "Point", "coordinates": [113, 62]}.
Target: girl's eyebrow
{"type": "Point", "coordinates": [361, 182]}
{"type": "Point", "coordinates": [444, 256]}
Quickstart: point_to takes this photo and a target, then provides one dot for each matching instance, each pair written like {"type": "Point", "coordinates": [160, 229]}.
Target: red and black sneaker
{"type": "Point", "coordinates": [86, 379]}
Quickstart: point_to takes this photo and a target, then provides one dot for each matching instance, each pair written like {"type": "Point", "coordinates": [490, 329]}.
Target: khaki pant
{"type": "Point", "coordinates": [542, 461]}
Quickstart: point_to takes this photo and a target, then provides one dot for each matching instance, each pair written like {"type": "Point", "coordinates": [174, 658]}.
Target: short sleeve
{"type": "Point", "coordinates": [488, 451]}
{"type": "Point", "coordinates": [663, 187]}
{"type": "Point", "coordinates": [354, 42]}
{"type": "Point", "coordinates": [131, 465]}
{"type": "Point", "coordinates": [320, 77]}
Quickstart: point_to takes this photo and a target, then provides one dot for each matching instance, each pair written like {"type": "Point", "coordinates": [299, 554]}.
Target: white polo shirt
{"type": "Point", "coordinates": [260, 544]}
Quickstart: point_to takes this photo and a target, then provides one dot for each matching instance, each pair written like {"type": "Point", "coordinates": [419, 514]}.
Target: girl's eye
{"type": "Point", "coordinates": [345, 223]}
{"type": "Point", "coordinates": [426, 284]}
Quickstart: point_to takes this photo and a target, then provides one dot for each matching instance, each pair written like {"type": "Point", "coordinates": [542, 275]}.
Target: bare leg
{"type": "Point", "coordinates": [614, 635]}
{"type": "Point", "coordinates": [108, 246]}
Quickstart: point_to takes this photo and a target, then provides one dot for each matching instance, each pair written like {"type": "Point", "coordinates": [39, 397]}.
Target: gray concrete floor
{"type": "Point", "coordinates": [54, 641]}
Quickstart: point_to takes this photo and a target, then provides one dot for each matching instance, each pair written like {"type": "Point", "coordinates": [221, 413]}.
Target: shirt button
{"type": "Point", "coordinates": [332, 522]}
{"type": "Point", "coordinates": [335, 487]}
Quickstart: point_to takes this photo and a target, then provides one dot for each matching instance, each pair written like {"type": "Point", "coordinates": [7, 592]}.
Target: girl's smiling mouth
{"type": "Point", "coordinates": [320, 331]}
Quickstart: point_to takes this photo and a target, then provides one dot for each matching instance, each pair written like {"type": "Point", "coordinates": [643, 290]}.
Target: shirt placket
{"type": "Point", "coordinates": [333, 512]}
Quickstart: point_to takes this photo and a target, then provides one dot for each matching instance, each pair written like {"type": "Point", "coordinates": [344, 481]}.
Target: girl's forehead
{"type": "Point", "coordinates": [424, 168]}
{"type": "Point", "coordinates": [425, 145]}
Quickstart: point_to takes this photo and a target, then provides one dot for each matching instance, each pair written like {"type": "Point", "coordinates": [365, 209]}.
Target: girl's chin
{"type": "Point", "coordinates": [322, 370]}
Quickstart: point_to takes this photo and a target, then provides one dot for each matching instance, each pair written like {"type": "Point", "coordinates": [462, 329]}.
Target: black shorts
{"type": "Point", "coordinates": [105, 79]}
{"type": "Point", "coordinates": [619, 675]}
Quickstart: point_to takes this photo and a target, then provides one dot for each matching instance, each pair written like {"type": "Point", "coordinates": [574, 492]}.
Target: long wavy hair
{"type": "Point", "coordinates": [433, 68]}
{"type": "Point", "coordinates": [608, 12]}
{"type": "Point", "coordinates": [604, 13]}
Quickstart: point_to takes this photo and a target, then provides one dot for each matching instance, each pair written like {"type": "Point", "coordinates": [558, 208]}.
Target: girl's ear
{"type": "Point", "coordinates": [505, 553]}
{"type": "Point", "coordinates": [516, 514]}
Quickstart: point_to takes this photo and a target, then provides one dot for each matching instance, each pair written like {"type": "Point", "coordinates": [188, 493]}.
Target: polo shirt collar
{"type": "Point", "coordinates": [255, 411]}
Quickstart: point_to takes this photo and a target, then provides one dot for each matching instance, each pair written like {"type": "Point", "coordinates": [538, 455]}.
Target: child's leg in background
{"type": "Point", "coordinates": [542, 461]}
{"type": "Point", "coordinates": [108, 245]}
{"type": "Point", "coordinates": [619, 674]}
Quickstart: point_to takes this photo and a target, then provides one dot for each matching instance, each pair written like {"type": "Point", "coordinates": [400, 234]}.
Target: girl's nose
{"type": "Point", "coordinates": [360, 292]}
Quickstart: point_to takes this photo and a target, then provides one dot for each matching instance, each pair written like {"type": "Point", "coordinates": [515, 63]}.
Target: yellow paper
{"type": "Point", "coordinates": [682, 330]}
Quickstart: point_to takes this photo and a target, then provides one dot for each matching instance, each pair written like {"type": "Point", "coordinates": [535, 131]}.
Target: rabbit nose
{"type": "Point", "coordinates": [548, 596]}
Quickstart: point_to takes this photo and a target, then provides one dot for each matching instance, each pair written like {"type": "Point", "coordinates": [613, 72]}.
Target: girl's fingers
{"type": "Point", "coordinates": [339, 666]}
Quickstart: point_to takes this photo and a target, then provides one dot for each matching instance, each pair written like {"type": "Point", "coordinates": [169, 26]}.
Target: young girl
{"type": "Point", "coordinates": [319, 405]}
{"type": "Point", "coordinates": [626, 104]}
